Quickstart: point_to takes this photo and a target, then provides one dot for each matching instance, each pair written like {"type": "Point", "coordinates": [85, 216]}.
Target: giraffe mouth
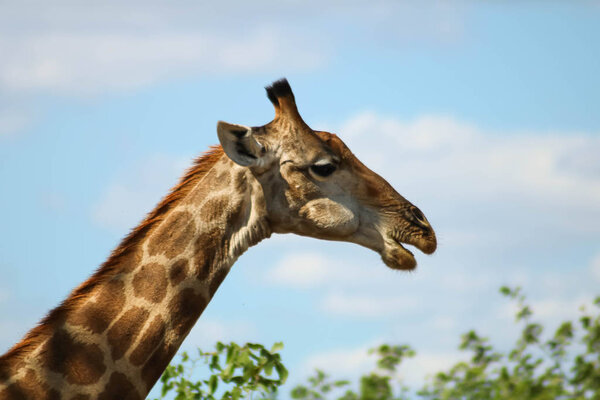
{"type": "Point", "coordinates": [400, 244]}
{"type": "Point", "coordinates": [396, 256]}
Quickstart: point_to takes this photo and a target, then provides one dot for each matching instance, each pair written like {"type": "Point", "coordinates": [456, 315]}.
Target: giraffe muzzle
{"type": "Point", "coordinates": [396, 256]}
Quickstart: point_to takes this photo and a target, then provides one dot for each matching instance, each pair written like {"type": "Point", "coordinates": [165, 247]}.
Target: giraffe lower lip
{"type": "Point", "coordinates": [396, 256]}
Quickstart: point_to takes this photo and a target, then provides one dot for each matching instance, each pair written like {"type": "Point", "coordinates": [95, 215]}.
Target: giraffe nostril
{"type": "Point", "coordinates": [420, 218]}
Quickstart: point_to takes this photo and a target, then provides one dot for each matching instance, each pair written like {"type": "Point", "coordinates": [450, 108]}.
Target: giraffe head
{"type": "Point", "coordinates": [314, 186]}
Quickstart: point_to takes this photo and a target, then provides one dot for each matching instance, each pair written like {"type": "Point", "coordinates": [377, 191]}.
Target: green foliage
{"type": "Point", "coordinates": [562, 365]}
{"type": "Point", "coordinates": [239, 371]}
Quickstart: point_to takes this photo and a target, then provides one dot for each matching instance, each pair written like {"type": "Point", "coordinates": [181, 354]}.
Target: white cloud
{"type": "Point", "coordinates": [350, 363]}
{"type": "Point", "coordinates": [341, 362]}
{"type": "Point", "coordinates": [208, 331]}
{"type": "Point", "coordinates": [550, 311]}
{"type": "Point", "coordinates": [417, 370]}
{"type": "Point", "coordinates": [301, 271]}
{"type": "Point", "coordinates": [74, 48]}
{"type": "Point", "coordinates": [559, 309]}
{"type": "Point", "coordinates": [83, 63]}
{"type": "Point", "coordinates": [97, 48]}
{"type": "Point", "coordinates": [444, 323]}
{"type": "Point", "coordinates": [136, 192]}
{"type": "Point", "coordinates": [313, 269]}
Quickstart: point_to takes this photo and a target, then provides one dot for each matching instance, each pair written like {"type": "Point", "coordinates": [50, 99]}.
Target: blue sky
{"type": "Point", "coordinates": [484, 115]}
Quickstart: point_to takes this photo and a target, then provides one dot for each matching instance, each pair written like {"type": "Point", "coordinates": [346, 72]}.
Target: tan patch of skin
{"type": "Point", "coordinates": [206, 251]}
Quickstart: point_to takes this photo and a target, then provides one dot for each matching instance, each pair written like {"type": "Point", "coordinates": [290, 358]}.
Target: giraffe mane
{"type": "Point", "coordinates": [107, 270]}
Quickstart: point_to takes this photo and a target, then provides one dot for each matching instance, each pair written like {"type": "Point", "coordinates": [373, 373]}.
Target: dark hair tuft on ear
{"type": "Point", "coordinates": [279, 88]}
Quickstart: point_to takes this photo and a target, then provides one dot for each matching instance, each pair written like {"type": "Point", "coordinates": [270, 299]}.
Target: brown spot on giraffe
{"type": "Point", "coordinates": [119, 387]}
{"type": "Point", "coordinates": [173, 234]}
{"type": "Point", "coordinates": [97, 314]}
{"type": "Point", "coordinates": [144, 349]}
{"type": "Point", "coordinates": [150, 282]}
{"type": "Point", "coordinates": [187, 305]}
{"type": "Point", "coordinates": [79, 363]}
{"type": "Point", "coordinates": [122, 334]}
{"type": "Point", "coordinates": [178, 272]}
{"type": "Point", "coordinates": [206, 250]}
{"type": "Point", "coordinates": [157, 363]}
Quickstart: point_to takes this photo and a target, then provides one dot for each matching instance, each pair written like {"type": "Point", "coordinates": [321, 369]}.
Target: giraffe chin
{"type": "Point", "coordinates": [396, 256]}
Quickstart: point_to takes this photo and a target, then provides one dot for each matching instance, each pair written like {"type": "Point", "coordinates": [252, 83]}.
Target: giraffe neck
{"type": "Point", "coordinates": [114, 338]}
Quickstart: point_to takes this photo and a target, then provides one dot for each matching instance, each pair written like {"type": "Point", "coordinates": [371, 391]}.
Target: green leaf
{"type": "Point", "coordinates": [213, 383]}
{"type": "Point", "coordinates": [255, 346]}
{"type": "Point", "coordinates": [505, 290]}
{"type": "Point", "coordinates": [563, 366]}
{"type": "Point", "coordinates": [282, 372]}
{"type": "Point", "coordinates": [278, 346]}
{"type": "Point", "coordinates": [236, 393]}
{"type": "Point", "coordinates": [299, 392]}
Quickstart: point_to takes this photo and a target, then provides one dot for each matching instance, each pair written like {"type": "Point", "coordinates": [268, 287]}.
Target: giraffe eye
{"type": "Point", "coordinates": [322, 170]}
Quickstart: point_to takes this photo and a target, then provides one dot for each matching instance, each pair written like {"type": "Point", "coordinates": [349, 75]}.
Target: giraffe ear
{"type": "Point", "coordinates": [239, 144]}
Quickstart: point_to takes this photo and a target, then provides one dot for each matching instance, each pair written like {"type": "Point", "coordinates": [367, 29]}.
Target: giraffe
{"type": "Point", "coordinates": [116, 332]}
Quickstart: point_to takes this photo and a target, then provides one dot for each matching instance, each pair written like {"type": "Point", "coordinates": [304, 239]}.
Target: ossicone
{"type": "Point", "coordinates": [281, 95]}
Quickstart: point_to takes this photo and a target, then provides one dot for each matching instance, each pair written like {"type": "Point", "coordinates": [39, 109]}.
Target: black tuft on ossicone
{"type": "Point", "coordinates": [279, 88]}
